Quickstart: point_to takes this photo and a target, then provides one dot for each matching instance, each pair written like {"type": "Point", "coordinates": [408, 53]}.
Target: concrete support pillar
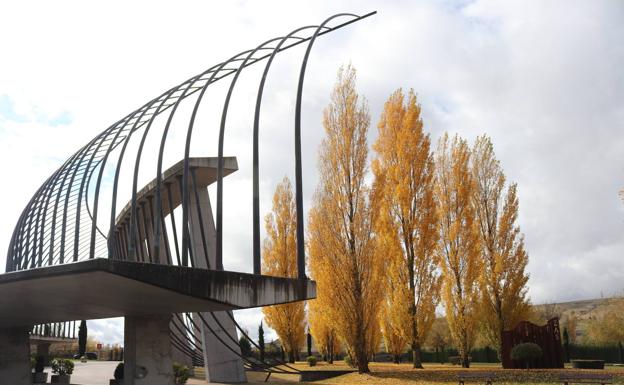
{"type": "Point", "coordinates": [220, 361]}
{"type": "Point", "coordinates": [162, 255]}
{"type": "Point", "coordinates": [15, 356]}
{"type": "Point", "coordinates": [147, 351]}
{"type": "Point", "coordinates": [43, 349]}
{"type": "Point", "coordinates": [210, 234]}
{"type": "Point", "coordinates": [222, 364]}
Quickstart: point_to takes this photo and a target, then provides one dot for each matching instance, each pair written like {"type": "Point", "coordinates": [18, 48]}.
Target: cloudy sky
{"type": "Point", "coordinates": [543, 79]}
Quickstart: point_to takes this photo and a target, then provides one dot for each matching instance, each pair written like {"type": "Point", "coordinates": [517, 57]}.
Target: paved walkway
{"type": "Point", "coordinates": [100, 373]}
{"type": "Point", "coordinates": [93, 372]}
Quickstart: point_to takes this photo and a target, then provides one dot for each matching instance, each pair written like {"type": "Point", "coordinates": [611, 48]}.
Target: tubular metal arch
{"type": "Point", "coordinates": [60, 225]}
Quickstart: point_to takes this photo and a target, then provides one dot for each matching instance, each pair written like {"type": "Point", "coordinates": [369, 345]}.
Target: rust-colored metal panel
{"type": "Point", "coordinates": [548, 337]}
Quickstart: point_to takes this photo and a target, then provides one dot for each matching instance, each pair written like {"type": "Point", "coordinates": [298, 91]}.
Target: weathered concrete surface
{"type": "Point", "coordinates": [222, 361]}
{"type": "Point", "coordinates": [148, 350]}
{"type": "Point", "coordinates": [206, 173]}
{"type": "Point", "coordinates": [106, 288]}
{"type": "Point", "coordinates": [15, 356]}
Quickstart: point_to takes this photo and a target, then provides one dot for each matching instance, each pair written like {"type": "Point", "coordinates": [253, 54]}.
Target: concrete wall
{"type": "Point", "coordinates": [15, 356]}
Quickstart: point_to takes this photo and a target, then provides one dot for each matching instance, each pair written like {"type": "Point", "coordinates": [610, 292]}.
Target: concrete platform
{"type": "Point", "coordinates": [105, 288]}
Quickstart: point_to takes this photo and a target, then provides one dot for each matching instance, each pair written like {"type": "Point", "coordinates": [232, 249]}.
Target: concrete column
{"type": "Point", "coordinates": [43, 349]}
{"type": "Point", "coordinates": [220, 361]}
{"type": "Point", "coordinates": [147, 349]}
{"type": "Point", "coordinates": [222, 364]}
{"type": "Point", "coordinates": [162, 257]}
{"type": "Point", "coordinates": [210, 234]}
{"type": "Point", "coordinates": [15, 356]}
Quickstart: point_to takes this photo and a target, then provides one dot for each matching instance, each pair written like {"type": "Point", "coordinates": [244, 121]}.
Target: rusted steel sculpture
{"type": "Point", "coordinates": [547, 337]}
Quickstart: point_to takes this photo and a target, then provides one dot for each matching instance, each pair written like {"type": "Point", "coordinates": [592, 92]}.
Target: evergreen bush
{"type": "Point", "coordinates": [526, 352]}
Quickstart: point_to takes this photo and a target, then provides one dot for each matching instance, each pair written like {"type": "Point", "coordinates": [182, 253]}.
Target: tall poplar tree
{"type": "Point", "coordinates": [341, 245]}
{"type": "Point", "coordinates": [460, 255]}
{"type": "Point", "coordinates": [280, 259]}
{"type": "Point", "coordinates": [407, 219]}
{"type": "Point", "coordinates": [321, 327]}
{"type": "Point", "coordinates": [504, 277]}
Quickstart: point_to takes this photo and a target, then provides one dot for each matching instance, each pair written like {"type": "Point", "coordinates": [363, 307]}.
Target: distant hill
{"type": "Point", "coordinates": [581, 310]}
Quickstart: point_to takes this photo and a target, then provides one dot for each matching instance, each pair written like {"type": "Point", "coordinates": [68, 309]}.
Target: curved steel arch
{"type": "Point", "coordinates": [58, 225]}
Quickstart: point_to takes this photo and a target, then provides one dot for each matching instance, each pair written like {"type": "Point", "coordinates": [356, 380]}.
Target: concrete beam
{"type": "Point", "coordinates": [105, 288]}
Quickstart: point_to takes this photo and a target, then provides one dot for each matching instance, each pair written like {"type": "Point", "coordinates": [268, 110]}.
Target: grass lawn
{"type": "Point", "coordinates": [403, 374]}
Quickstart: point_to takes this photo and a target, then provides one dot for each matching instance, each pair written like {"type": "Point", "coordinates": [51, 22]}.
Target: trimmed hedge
{"type": "Point", "coordinates": [486, 354]}
{"type": "Point", "coordinates": [588, 364]}
{"type": "Point", "coordinates": [608, 353]}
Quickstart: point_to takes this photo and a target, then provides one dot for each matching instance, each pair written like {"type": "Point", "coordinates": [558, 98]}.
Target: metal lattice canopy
{"type": "Point", "coordinates": [60, 223]}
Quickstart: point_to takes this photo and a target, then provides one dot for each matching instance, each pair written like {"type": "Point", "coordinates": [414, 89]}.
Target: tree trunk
{"type": "Point", "coordinates": [416, 355]}
{"type": "Point", "coordinates": [397, 358]}
{"type": "Point", "coordinates": [291, 357]}
{"type": "Point", "coordinates": [362, 362]}
{"type": "Point", "coordinates": [465, 361]}
{"type": "Point", "coordinates": [331, 349]}
{"type": "Point", "coordinates": [464, 356]}
{"type": "Point", "coordinates": [499, 347]}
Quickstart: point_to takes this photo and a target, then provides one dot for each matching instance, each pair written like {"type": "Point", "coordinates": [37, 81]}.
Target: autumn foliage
{"type": "Point", "coordinates": [406, 224]}
{"type": "Point", "coordinates": [280, 259]}
{"type": "Point", "coordinates": [341, 245]}
{"type": "Point", "coordinates": [459, 245]}
{"type": "Point", "coordinates": [503, 280]}
{"type": "Point", "coordinates": [429, 227]}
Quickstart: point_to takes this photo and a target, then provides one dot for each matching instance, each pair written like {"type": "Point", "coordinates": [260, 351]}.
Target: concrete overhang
{"type": "Point", "coordinates": [104, 288]}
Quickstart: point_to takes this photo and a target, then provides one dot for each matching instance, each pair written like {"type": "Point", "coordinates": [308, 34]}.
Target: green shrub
{"type": "Point", "coordinates": [311, 360]}
{"type": "Point", "coordinates": [181, 373]}
{"type": "Point", "coordinates": [348, 360]}
{"type": "Point", "coordinates": [245, 346]}
{"type": "Point", "coordinates": [119, 371]}
{"type": "Point", "coordinates": [527, 352]}
{"type": "Point", "coordinates": [62, 366]}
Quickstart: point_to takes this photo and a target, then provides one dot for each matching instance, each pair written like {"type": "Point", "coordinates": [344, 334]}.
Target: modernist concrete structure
{"type": "Point", "coordinates": [158, 260]}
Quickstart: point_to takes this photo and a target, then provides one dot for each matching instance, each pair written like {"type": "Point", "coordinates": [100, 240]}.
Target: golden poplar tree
{"type": "Point", "coordinates": [341, 245]}
{"type": "Point", "coordinates": [504, 278]}
{"type": "Point", "coordinates": [321, 327]}
{"type": "Point", "coordinates": [407, 220]}
{"type": "Point", "coordinates": [279, 257]}
{"type": "Point", "coordinates": [459, 249]}
{"type": "Point", "coordinates": [395, 315]}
